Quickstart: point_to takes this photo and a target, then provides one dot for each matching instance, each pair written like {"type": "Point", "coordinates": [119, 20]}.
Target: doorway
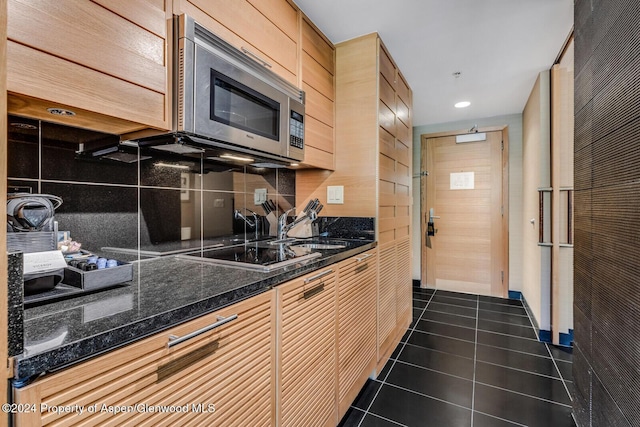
{"type": "Point", "coordinates": [464, 211]}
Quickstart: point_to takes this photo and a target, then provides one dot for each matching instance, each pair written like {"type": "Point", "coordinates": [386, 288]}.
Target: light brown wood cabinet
{"type": "Point", "coordinates": [318, 70]}
{"type": "Point", "coordinates": [307, 350]}
{"type": "Point", "coordinates": [223, 377]}
{"type": "Point", "coordinates": [373, 163]}
{"type": "Point", "coordinates": [267, 31]}
{"type": "Point", "coordinates": [356, 325]}
{"type": "Point", "coordinates": [106, 61]}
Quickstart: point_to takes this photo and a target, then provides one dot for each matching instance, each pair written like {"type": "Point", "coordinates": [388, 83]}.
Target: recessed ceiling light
{"type": "Point", "coordinates": [462, 104]}
{"type": "Point", "coordinates": [60, 112]}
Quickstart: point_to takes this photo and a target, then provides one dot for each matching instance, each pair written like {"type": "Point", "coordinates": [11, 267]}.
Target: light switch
{"type": "Point", "coordinates": [335, 194]}
{"type": "Point", "coordinates": [259, 196]}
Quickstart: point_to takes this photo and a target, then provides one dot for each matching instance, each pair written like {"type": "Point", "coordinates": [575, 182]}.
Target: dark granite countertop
{"type": "Point", "coordinates": [165, 292]}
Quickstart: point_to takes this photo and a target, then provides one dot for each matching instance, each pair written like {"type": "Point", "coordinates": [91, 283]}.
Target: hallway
{"type": "Point", "coordinates": [468, 360]}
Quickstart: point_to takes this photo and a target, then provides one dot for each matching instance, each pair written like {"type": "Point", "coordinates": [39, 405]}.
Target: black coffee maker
{"type": "Point", "coordinates": [31, 227]}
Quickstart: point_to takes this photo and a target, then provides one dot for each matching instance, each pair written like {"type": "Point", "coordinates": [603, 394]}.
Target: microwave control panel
{"type": "Point", "coordinates": [296, 130]}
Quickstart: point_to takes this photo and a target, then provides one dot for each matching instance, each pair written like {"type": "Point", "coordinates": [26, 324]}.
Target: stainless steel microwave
{"type": "Point", "coordinates": [224, 98]}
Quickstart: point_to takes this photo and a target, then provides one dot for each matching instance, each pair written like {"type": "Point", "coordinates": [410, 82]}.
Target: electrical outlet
{"type": "Point", "coordinates": [259, 196]}
{"type": "Point", "coordinates": [218, 203]}
{"type": "Point", "coordinates": [335, 194]}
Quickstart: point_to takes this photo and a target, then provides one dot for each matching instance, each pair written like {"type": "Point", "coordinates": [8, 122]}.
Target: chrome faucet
{"type": "Point", "coordinates": [253, 224]}
{"type": "Point", "coordinates": [283, 227]}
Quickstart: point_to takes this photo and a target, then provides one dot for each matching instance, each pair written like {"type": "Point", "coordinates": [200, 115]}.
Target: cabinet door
{"type": "Point", "coordinates": [267, 31]}
{"type": "Point", "coordinates": [222, 377]}
{"type": "Point", "coordinates": [356, 326]}
{"type": "Point", "coordinates": [318, 71]}
{"type": "Point", "coordinates": [109, 59]}
{"type": "Point", "coordinates": [307, 352]}
{"type": "Point", "coordinates": [404, 282]}
{"type": "Point", "coordinates": [387, 307]}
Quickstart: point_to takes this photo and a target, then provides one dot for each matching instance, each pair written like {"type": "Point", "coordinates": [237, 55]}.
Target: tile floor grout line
{"type": "Point", "coordinates": [481, 309]}
{"type": "Point", "coordinates": [483, 330]}
{"type": "Point", "coordinates": [394, 360]}
{"type": "Point", "coordinates": [439, 351]}
{"type": "Point", "coordinates": [516, 351]}
{"type": "Point", "coordinates": [486, 345]}
{"type": "Point", "coordinates": [475, 361]}
{"type": "Point", "coordinates": [520, 370]}
{"type": "Point", "coordinates": [542, 399]}
{"type": "Point", "coordinates": [431, 370]}
{"type": "Point", "coordinates": [515, 423]}
{"type": "Point", "coordinates": [478, 361]}
{"type": "Point", "coordinates": [384, 418]}
{"type": "Point", "coordinates": [408, 390]}
{"type": "Point", "coordinates": [558, 369]}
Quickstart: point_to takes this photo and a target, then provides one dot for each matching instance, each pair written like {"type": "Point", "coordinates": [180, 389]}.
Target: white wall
{"type": "Point", "coordinates": [514, 121]}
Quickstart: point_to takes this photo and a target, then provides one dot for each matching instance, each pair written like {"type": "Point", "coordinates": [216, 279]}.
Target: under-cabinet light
{"type": "Point", "coordinates": [169, 165]}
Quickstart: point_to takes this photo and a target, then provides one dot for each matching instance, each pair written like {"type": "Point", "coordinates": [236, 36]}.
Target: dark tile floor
{"type": "Point", "coordinates": [468, 361]}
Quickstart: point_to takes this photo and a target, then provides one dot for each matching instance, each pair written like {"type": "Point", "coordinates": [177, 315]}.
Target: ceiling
{"type": "Point", "coordinates": [498, 46]}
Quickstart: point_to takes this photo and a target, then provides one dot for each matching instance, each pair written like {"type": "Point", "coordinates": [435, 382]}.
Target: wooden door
{"type": "Point", "coordinates": [463, 190]}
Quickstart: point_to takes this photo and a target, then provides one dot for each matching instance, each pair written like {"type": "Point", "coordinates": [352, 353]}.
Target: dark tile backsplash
{"type": "Point", "coordinates": [132, 199]}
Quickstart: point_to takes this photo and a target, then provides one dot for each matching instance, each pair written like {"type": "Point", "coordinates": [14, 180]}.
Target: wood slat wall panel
{"type": "Point", "coordinates": [149, 14]}
{"type": "Point", "coordinates": [317, 46]}
{"type": "Point", "coordinates": [318, 135]}
{"type": "Point", "coordinates": [387, 68]}
{"type": "Point", "coordinates": [282, 13]}
{"type": "Point", "coordinates": [317, 76]}
{"type": "Point", "coordinates": [318, 106]}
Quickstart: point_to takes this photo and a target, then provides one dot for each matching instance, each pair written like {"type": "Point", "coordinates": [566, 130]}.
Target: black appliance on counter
{"type": "Point", "coordinates": [31, 228]}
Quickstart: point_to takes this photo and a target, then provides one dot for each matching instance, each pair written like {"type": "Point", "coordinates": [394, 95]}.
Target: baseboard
{"type": "Point", "coordinates": [515, 295]}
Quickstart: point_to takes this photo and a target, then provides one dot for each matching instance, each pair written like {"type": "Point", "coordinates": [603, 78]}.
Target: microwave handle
{"type": "Point", "coordinates": [256, 57]}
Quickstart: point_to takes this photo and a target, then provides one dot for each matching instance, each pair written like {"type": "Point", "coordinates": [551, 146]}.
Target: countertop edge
{"type": "Point", "coordinates": [28, 367]}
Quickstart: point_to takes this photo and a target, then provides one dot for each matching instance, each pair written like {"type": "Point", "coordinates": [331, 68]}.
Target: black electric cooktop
{"type": "Point", "coordinates": [257, 255]}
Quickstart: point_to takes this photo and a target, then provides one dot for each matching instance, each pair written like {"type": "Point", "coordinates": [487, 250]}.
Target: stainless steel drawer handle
{"type": "Point", "coordinates": [317, 276]}
{"type": "Point", "coordinates": [363, 257]}
{"type": "Point", "coordinates": [256, 57]}
{"type": "Point", "coordinates": [175, 340]}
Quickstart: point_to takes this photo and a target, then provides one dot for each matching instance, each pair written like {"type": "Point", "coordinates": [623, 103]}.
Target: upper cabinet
{"type": "Point", "coordinates": [110, 62]}
{"type": "Point", "coordinates": [267, 31]}
{"type": "Point", "coordinates": [318, 71]}
{"type": "Point", "coordinates": [106, 61]}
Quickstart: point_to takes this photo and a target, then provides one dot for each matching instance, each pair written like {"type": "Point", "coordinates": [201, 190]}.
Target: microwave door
{"type": "Point", "coordinates": [235, 107]}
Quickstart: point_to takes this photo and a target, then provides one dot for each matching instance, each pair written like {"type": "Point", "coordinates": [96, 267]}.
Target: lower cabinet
{"type": "Point", "coordinates": [297, 355]}
{"type": "Point", "coordinates": [222, 376]}
{"type": "Point", "coordinates": [394, 296]}
{"type": "Point", "coordinates": [356, 326]}
{"type": "Point", "coordinates": [307, 350]}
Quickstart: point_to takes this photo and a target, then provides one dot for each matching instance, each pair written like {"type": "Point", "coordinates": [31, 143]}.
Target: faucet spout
{"type": "Point", "coordinates": [253, 224]}
{"type": "Point", "coordinates": [283, 227]}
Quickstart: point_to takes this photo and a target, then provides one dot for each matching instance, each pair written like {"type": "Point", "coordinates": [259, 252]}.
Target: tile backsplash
{"type": "Point", "coordinates": [136, 199]}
